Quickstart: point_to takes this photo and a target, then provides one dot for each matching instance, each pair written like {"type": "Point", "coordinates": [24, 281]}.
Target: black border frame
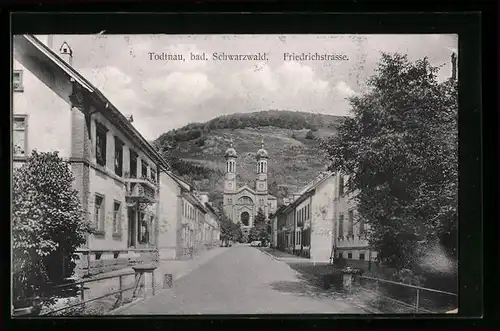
{"type": "Point", "coordinates": [470, 21]}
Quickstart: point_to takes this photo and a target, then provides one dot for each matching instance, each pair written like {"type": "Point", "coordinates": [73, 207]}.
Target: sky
{"type": "Point", "coordinates": [163, 95]}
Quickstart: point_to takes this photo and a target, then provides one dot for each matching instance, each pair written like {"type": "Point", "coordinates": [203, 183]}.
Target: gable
{"type": "Point", "coordinates": [246, 189]}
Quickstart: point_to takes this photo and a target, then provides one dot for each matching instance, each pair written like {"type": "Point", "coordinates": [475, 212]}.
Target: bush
{"type": "Point", "coordinates": [408, 276]}
{"type": "Point", "coordinates": [309, 135]}
{"type": "Point", "coordinates": [48, 224]}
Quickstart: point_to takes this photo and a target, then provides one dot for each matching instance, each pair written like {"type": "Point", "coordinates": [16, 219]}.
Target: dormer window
{"type": "Point", "coordinates": [17, 81]}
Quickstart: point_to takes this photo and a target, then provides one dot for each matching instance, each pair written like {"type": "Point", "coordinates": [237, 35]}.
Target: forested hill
{"type": "Point", "coordinates": [196, 151]}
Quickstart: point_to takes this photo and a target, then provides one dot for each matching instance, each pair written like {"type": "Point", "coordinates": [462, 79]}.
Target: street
{"type": "Point", "coordinates": [241, 280]}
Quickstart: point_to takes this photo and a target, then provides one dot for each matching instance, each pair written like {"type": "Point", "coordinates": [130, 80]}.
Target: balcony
{"type": "Point", "coordinates": [140, 190]}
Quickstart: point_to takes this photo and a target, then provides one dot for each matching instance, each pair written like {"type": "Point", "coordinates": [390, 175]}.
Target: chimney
{"type": "Point", "coordinates": [66, 53]}
{"type": "Point", "coordinates": [453, 66]}
{"type": "Point", "coordinates": [50, 41]}
{"type": "Point", "coordinates": [47, 40]}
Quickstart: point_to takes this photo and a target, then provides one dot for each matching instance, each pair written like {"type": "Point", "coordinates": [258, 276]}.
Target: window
{"type": "Point", "coordinates": [117, 218]}
{"type": "Point", "coordinates": [17, 81]}
{"type": "Point", "coordinates": [153, 174]}
{"type": "Point", "coordinates": [229, 201]}
{"type": "Point", "coordinates": [350, 229]}
{"type": "Point", "coordinates": [118, 157]}
{"type": "Point", "coordinates": [133, 164]}
{"type": "Point", "coordinates": [99, 213]}
{"type": "Point", "coordinates": [144, 169]}
{"type": "Point", "coordinates": [362, 256]}
{"type": "Point", "coordinates": [100, 144]}
{"type": "Point", "coordinates": [245, 201]}
{"type": "Point", "coordinates": [341, 225]}
{"type": "Point", "coordinates": [341, 185]}
{"type": "Point", "coordinates": [340, 255]}
{"type": "Point", "coordinates": [349, 255]}
{"type": "Point", "coordinates": [143, 229]}
{"type": "Point", "coordinates": [151, 229]}
{"type": "Point", "coordinates": [20, 135]}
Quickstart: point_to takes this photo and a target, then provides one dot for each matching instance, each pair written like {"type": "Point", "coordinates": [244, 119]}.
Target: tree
{"type": "Point", "coordinates": [48, 224]}
{"type": "Point", "coordinates": [236, 233]}
{"type": "Point", "coordinates": [229, 230]}
{"type": "Point", "coordinates": [273, 188]}
{"type": "Point", "coordinates": [400, 150]}
{"type": "Point", "coordinates": [259, 228]}
{"type": "Point", "coordinates": [309, 135]}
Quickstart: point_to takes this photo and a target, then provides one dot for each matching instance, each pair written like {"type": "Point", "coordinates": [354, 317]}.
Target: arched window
{"type": "Point", "coordinates": [245, 201]}
{"type": "Point", "coordinates": [245, 218]}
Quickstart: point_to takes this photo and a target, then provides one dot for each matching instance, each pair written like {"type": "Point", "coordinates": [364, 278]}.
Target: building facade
{"type": "Point", "coordinates": [187, 223]}
{"type": "Point", "coordinates": [351, 240]}
{"type": "Point", "coordinates": [320, 222]}
{"type": "Point", "coordinates": [305, 226]}
{"type": "Point", "coordinates": [241, 202]}
{"type": "Point", "coordinates": [116, 170]}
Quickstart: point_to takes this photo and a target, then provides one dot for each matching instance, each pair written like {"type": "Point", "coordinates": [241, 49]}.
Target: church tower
{"type": "Point", "coordinates": [261, 180]}
{"type": "Point", "coordinates": [230, 177]}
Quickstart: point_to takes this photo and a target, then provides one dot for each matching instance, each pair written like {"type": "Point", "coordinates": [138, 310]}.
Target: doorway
{"type": "Point", "coordinates": [245, 218]}
{"type": "Point", "coordinates": [132, 227]}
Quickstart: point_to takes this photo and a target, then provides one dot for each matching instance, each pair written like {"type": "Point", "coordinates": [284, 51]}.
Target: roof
{"type": "Point", "coordinates": [307, 191]}
{"type": "Point", "coordinates": [210, 208]}
{"type": "Point", "coordinates": [183, 184]}
{"type": "Point", "coordinates": [31, 43]}
{"type": "Point", "coordinates": [192, 199]}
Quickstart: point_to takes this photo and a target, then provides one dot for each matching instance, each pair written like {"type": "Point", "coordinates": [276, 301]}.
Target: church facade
{"type": "Point", "coordinates": [242, 202]}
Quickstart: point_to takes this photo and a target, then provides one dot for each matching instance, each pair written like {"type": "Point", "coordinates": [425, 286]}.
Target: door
{"type": "Point", "coordinates": [131, 227]}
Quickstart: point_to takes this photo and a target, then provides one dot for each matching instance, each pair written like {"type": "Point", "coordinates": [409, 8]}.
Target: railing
{"type": "Point", "coordinates": [82, 291]}
{"type": "Point", "coordinates": [141, 190]}
{"type": "Point", "coordinates": [417, 306]}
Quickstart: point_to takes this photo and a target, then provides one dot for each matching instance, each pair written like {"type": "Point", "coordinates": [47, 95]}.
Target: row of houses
{"type": "Point", "coordinates": [138, 207]}
{"type": "Point", "coordinates": [319, 222]}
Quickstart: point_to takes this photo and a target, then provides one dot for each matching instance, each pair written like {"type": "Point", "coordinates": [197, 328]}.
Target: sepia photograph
{"type": "Point", "coordinates": [219, 174]}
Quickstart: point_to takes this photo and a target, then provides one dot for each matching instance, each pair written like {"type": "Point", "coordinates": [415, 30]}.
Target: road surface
{"type": "Point", "coordinates": [241, 280]}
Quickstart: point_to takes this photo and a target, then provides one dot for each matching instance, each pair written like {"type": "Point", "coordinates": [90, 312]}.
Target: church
{"type": "Point", "coordinates": [241, 202]}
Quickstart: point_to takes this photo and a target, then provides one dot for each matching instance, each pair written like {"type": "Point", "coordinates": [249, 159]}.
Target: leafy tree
{"type": "Point", "coordinates": [48, 224]}
{"type": "Point", "coordinates": [236, 233]}
{"type": "Point", "coordinates": [273, 188]}
{"type": "Point", "coordinates": [229, 230]}
{"type": "Point", "coordinates": [309, 135]}
{"type": "Point", "coordinates": [400, 150]}
{"type": "Point", "coordinates": [259, 228]}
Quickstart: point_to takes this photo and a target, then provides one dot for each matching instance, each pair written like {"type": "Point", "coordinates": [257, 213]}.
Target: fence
{"type": "Point", "coordinates": [82, 283]}
{"type": "Point", "coordinates": [400, 297]}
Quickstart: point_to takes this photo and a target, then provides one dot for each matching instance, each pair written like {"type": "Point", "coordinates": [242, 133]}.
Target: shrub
{"type": "Point", "coordinates": [48, 224]}
{"type": "Point", "coordinates": [309, 135]}
{"type": "Point", "coordinates": [408, 276]}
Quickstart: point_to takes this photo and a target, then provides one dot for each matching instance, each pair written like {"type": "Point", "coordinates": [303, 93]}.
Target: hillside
{"type": "Point", "coordinates": [196, 151]}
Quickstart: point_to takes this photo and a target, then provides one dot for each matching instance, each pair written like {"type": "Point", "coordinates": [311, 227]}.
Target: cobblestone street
{"type": "Point", "coordinates": [241, 280]}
